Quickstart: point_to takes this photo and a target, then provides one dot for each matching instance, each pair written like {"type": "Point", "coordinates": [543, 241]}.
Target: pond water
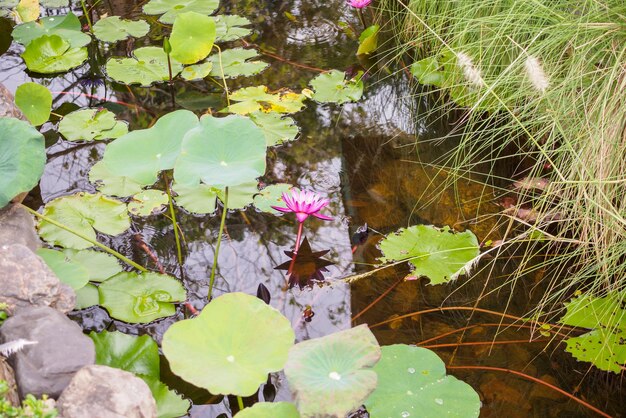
{"type": "Point", "coordinates": [373, 160]}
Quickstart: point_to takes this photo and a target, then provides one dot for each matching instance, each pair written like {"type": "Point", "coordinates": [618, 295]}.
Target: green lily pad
{"type": "Point", "coordinates": [235, 63]}
{"type": "Point", "coordinates": [257, 98]}
{"type": "Point", "coordinates": [67, 27]}
{"type": "Point", "coordinates": [439, 254]}
{"type": "Point", "coordinates": [112, 184]}
{"type": "Point", "coordinates": [147, 202]}
{"type": "Point", "coordinates": [605, 345]}
{"type": "Point", "coordinates": [332, 375]}
{"type": "Point", "coordinates": [114, 28]}
{"type": "Point", "coordinates": [332, 87]}
{"type": "Point", "coordinates": [141, 298]}
{"type": "Point", "coordinates": [240, 196]}
{"type": "Point", "coordinates": [71, 273]}
{"type": "Point", "coordinates": [238, 340]}
{"type": "Point", "coordinates": [270, 409]}
{"type": "Point", "coordinates": [230, 27]}
{"type": "Point", "coordinates": [276, 128]}
{"type": "Point", "coordinates": [141, 154]}
{"type": "Point", "coordinates": [27, 10]}
{"type": "Point", "coordinates": [221, 152]}
{"type": "Point", "coordinates": [169, 403]}
{"type": "Point", "coordinates": [172, 8]}
{"type": "Point", "coordinates": [84, 213]}
{"type": "Point", "coordinates": [192, 37]}
{"type": "Point", "coordinates": [200, 199]}
{"type": "Point", "coordinates": [197, 71]}
{"type": "Point", "coordinates": [90, 125]}
{"type": "Point", "coordinates": [271, 196]}
{"type": "Point", "coordinates": [87, 296]}
{"type": "Point", "coordinates": [52, 54]}
{"type": "Point", "coordinates": [100, 266]}
{"type": "Point", "coordinates": [427, 72]}
{"type": "Point", "coordinates": [148, 65]}
{"type": "Point", "coordinates": [35, 102]}
{"type": "Point", "coordinates": [138, 355]}
{"type": "Point", "coordinates": [412, 382]}
{"type": "Point", "coordinates": [22, 158]}
{"type": "Point", "coordinates": [368, 40]}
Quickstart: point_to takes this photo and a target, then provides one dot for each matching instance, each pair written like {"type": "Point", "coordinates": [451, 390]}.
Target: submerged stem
{"type": "Point", "coordinates": [179, 250]}
{"type": "Point", "coordinates": [219, 242]}
{"type": "Point", "coordinates": [361, 18]}
{"type": "Point", "coordinates": [219, 57]}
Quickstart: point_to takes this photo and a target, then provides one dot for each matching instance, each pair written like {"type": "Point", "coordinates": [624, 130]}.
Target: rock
{"type": "Point", "coordinates": [105, 392]}
{"type": "Point", "coordinates": [6, 374]}
{"type": "Point", "coordinates": [26, 280]}
{"type": "Point", "coordinates": [61, 350]}
{"type": "Point", "coordinates": [8, 109]}
{"type": "Point", "coordinates": [17, 227]}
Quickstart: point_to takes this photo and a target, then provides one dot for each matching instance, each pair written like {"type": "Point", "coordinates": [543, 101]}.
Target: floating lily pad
{"type": "Point", "coordinates": [172, 8]}
{"type": "Point", "coordinates": [235, 63]}
{"type": "Point", "coordinates": [201, 199]}
{"type": "Point", "coordinates": [271, 196]}
{"type": "Point", "coordinates": [221, 152]}
{"type": "Point", "coordinates": [197, 71]}
{"type": "Point", "coordinates": [112, 184]}
{"type": "Point", "coordinates": [238, 340]}
{"type": "Point", "coordinates": [71, 273]}
{"type": "Point", "coordinates": [605, 344]}
{"type": "Point", "coordinates": [147, 202]}
{"type": "Point", "coordinates": [230, 27]}
{"type": "Point", "coordinates": [332, 87]}
{"type": "Point", "coordinates": [141, 298]}
{"type": "Point", "coordinates": [87, 296]}
{"type": "Point", "coordinates": [276, 128]}
{"type": "Point", "coordinates": [86, 214]}
{"type": "Point", "coordinates": [28, 10]}
{"type": "Point", "coordinates": [240, 196]}
{"type": "Point", "coordinates": [368, 40]}
{"type": "Point", "coordinates": [66, 27]}
{"type": "Point", "coordinates": [427, 72]}
{"type": "Point", "coordinates": [100, 266]}
{"type": "Point", "coordinates": [149, 65]}
{"type": "Point", "coordinates": [192, 37]}
{"type": "Point", "coordinates": [22, 158]}
{"type": "Point", "coordinates": [332, 375]}
{"type": "Point", "coordinates": [114, 28]}
{"type": "Point", "coordinates": [439, 254]}
{"type": "Point", "coordinates": [412, 382]}
{"type": "Point", "coordinates": [35, 102]}
{"type": "Point", "coordinates": [52, 54]}
{"type": "Point", "coordinates": [169, 403]}
{"type": "Point", "coordinates": [270, 409]}
{"type": "Point", "coordinates": [90, 125]}
{"type": "Point", "coordinates": [257, 98]}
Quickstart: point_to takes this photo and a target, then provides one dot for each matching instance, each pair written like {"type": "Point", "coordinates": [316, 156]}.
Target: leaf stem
{"type": "Point", "coordinates": [86, 14]}
{"type": "Point", "coordinates": [240, 402]}
{"type": "Point", "coordinates": [179, 250]}
{"type": "Point", "coordinates": [219, 242]}
{"type": "Point", "coordinates": [361, 18]}
{"type": "Point", "coordinates": [219, 56]}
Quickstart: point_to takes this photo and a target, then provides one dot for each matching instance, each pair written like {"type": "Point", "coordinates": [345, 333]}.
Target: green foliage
{"type": "Point", "coordinates": [236, 62]}
{"type": "Point", "coordinates": [276, 128]}
{"type": "Point", "coordinates": [368, 41]}
{"type": "Point", "coordinates": [31, 406]}
{"type": "Point", "coordinates": [172, 8]}
{"type": "Point", "coordinates": [439, 254]}
{"type": "Point", "coordinates": [192, 37]}
{"type": "Point", "coordinates": [148, 65]}
{"type": "Point", "coordinates": [427, 71]}
{"type": "Point", "coordinates": [238, 340]}
{"type": "Point", "coordinates": [52, 54]}
{"type": "Point", "coordinates": [271, 196]}
{"type": "Point", "coordinates": [66, 27]}
{"type": "Point", "coordinates": [100, 266]}
{"type": "Point", "coordinates": [109, 183]}
{"type": "Point", "coordinates": [90, 125]}
{"type": "Point", "coordinates": [22, 158]}
{"type": "Point", "coordinates": [270, 409]}
{"type": "Point", "coordinates": [332, 87]}
{"type": "Point", "coordinates": [114, 28]}
{"type": "Point", "coordinates": [229, 28]}
{"type": "Point", "coordinates": [258, 98]}
{"type": "Point", "coordinates": [332, 375]}
{"type": "Point", "coordinates": [199, 199]}
{"type": "Point", "coordinates": [35, 102]}
{"type": "Point", "coordinates": [412, 381]}
{"type": "Point", "coordinates": [87, 296]}
{"type": "Point", "coordinates": [71, 273]}
{"type": "Point", "coordinates": [147, 202]}
{"type": "Point", "coordinates": [197, 71]}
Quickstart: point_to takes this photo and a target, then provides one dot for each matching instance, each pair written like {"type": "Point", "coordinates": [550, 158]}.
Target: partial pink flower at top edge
{"type": "Point", "coordinates": [304, 203]}
{"type": "Point", "coordinates": [359, 4]}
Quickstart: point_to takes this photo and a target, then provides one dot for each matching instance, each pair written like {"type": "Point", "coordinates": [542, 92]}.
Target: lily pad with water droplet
{"type": "Point", "coordinates": [85, 213]}
{"type": "Point", "coordinates": [236, 62]}
{"type": "Point", "coordinates": [148, 65]}
{"type": "Point", "coordinates": [172, 8]}
{"type": "Point", "coordinates": [141, 298]}
{"type": "Point", "coordinates": [35, 102]}
{"type": "Point", "coordinates": [192, 37]}
{"type": "Point", "coordinates": [270, 409]}
{"type": "Point", "coordinates": [412, 382]}
{"type": "Point", "coordinates": [332, 375]}
{"type": "Point", "coordinates": [271, 196]}
{"type": "Point", "coordinates": [238, 340]}
{"type": "Point", "coordinates": [114, 28]}
{"type": "Point", "coordinates": [258, 98]}
{"type": "Point", "coordinates": [332, 87]}
{"type": "Point", "coordinates": [230, 27]}
{"type": "Point", "coordinates": [52, 54]}
{"type": "Point", "coordinates": [277, 129]}
{"type": "Point", "coordinates": [67, 27]}
{"type": "Point", "coordinates": [71, 273]}
{"type": "Point", "coordinates": [100, 266]}
{"type": "Point", "coordinates": [147, 202]}
{"type": "Point", "coordinates": [91, 124]}
{"type": "Point", "coordinates": [439, 254]}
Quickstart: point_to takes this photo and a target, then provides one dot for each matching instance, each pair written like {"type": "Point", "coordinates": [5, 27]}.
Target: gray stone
{"type": "Point", "coordinates": [17, 227]}
{"type": "Point", "coordinates": [26, 280]}
{"type": "Point", "coordinates": [61, 350]}
{"type": "Point", "coordinates": [8, 109]}
{"type": "Point", "coordinates": [105, 392]}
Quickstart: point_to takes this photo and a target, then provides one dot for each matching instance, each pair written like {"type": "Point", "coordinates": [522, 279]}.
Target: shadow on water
{"type": "Point", "coordinates": [371, 158]}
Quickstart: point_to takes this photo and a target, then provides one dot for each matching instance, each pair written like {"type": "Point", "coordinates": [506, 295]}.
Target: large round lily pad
{"type": "Point", "coordinates": [114, 28]}
{"type": "Point", "coordinates": [69, 272]}
{"type": "Point", "coordinates": [148, 65]}
{"type": "Point", "coordinates": [236, 62]}
{"type": "Point", "coordinates": [277, 129]}
{"type": "Point", "coordinates": [91, 124]}
{"type": "Point", "coordinates": [230, 27]}
{"type": "Point", "coordinates": [270, 409]}
{"type": "Point", "coordinates": [192, 37]}
{"type": "Point", "coordinates": [67, 27]}
{"type": "Point", "coordinates": [231, 346]}
{"type": "Point", "coordinates": [332, 87]}
{"type": "Point", "coordinates": [412, 382]}
{"type": "Point", "coordinates": [332, 375]}
{"type": "Point", "coordinates": [172, 8]}
{"type": "Point", "coordinates": [100, 265]}
{"type": "Point", "coordinates": [52, 54]}
{"type": "Point", "coordinates": [35, 102]}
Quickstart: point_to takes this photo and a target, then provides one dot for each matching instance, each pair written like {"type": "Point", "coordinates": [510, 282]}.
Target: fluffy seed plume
{"type": "Point", "coordinates": [535, 74]}
{"type": "Point", "coordinates": [471, 73]}
{"type": "Point", "coordinates": [11, 347]}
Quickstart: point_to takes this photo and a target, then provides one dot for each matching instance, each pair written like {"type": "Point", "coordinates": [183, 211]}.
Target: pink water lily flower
{"type": "Point", "coordinates": [303, 204]}
{"type": "Point", "coordinates": [359, 4]}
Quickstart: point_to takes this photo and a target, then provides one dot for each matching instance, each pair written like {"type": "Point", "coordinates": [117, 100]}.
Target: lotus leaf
{"type": "Point", "coordinates": [221, 152]}
{"type": "Point", "coordinates": [71, 273]}
{"type": "Point", "coordinates": [257, 98]}
{"type": "Point", "coordinates": [439, 254]}
{"type": "Point", "coordinates": [229, 27]}
{"type": "Point", "coordinates": [239, 196]}
{"type": "Point", "coordinates": [87, 296]}
{"type": "Point", "coordinates": [412, 382]}
{"type": "Point", "coordinates": [141, 154]}
{"type": "Point", "coordinates": [238, 340]}
{"type": "Point", "coordinates": [22, 158]}
{"type": "Point", "coordinates": [270, 409]}
{"type": "Point", "coordinates": [52, 54]}
{"type": "Point", "coordinates": [85, 213]}
{"type": "Point", "coordinates": [197, 71]}
{"type": "Point", "coordinates": [368, 41]}
{"type": "Point", "coordinates": [35, 102]}
{"type": "Point", "coordinates": [147, 202]}
{"type": "Point", "coordinates": [271, 196]}
{"type": "Point", "coordinates": [332, 87]}
{"type": "Point", "coordinates": [90, 125]}
{"type": "Point", "coordinates": [141, 298]}
{"type": "Point", "coordinates": [332, 375]}
{"type": "Point", "coordinates": [199, 199]}
{"type": "Point", "coordinates": [192, 37]}
{"type": "Point", "coordinates": [234, 63]}
{"type": "Point", "coordinates": [113, 29]}
{"type": "Point", "coordinates": [28, 10]}
{"type": "Point", "coordinates": [277, 129]}
{"type": "Point", "coordinates": [605, 344]}
{"type": "Point", "coordinates": [100, 266]}
{"type": "Point", "coordinates": [172, 8]}
{"type": "Point", "coordinates": [112, 184]}
{"type": "Point", "coordinates": [67, 27]}
{"type": "Point", "coordinates": [149, 65]}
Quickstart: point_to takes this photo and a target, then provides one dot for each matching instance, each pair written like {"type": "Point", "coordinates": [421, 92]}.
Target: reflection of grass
{"type": "Point", "coordinates": [552, 75]}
